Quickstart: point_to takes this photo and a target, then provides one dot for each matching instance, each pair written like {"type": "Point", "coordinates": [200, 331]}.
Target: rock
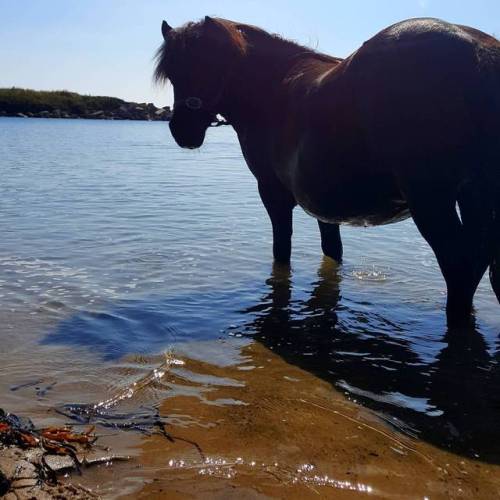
{"type": "Point", "coordinates": [97, 459]}
{"type": "Point", "coordinates": [8, 467]}
{"type": "Point", "coordinates": [38, 494]}
{"type": "Point", "coordinates": [59, 463]}
{"type": "Point", "coordinates": [24, 483]}
{"type": "Point", "coordinates": [22, 115]}
{"type": "Point", "coordinates": [10, 496]}
{"type": "Point", "coordinates": [96, 114]}
{"type": "Point", "coordinates": [25, 470]}
{"type": "Point", "coordinates": [34, 456]}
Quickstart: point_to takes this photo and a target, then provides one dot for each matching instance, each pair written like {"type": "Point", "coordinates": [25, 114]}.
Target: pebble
{"type": "Point", "coordinates": [59, 462]}
{"type": "Point", "coordinates": [24, 483]}
{"type": "Point", "coordinates": [30, 494]}
{"type": "Point", "coordinates": [34, 456]}
{"type": "Point", "coordinates": [25, 470]}
{"type": "Point", "coordinates": [8, 467]}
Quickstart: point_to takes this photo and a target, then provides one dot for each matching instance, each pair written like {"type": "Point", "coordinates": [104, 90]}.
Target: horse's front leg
{"type": "Point", "coordinates": [279, 203]}
{"type": "Point", "coordinates": [331, 242]}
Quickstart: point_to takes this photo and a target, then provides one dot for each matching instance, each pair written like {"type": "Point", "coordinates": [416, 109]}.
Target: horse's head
{"type": "Point", "coordinates": [198, 59]}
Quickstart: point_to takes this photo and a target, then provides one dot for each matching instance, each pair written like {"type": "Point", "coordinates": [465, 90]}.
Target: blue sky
{"type": "Point", "coordinates": [105, 47]}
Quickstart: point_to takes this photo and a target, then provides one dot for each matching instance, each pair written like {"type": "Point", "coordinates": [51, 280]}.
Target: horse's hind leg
{"type": "Point", "coordinates": [494, 196]}
{"type": "Point", "coordinates": [495, 251]}
{"type": "Point", "coordinates": [495, 274]}
{"type": "Point", "coordinates": [477, 220]}
{"type": "Point", "coordinates": [436, 218]}
{"type": "Point", "coordinates": [331, 242]}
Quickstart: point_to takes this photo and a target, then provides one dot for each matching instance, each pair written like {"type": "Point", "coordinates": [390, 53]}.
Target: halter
{"type": "Point", "coordinates": [194, 103]}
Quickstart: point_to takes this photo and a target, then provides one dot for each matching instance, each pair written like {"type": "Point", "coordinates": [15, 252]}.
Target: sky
{"type": "Point", "coordinates": [106, 47]}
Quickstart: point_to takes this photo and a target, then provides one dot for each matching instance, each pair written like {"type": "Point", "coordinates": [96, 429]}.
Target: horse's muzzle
{"type": "Point", "coordinates": [189, 127]}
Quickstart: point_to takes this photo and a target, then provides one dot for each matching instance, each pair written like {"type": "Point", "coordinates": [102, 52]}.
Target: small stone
{"type": "Point", "coordinates": [97, 459]}
{"type": "Point", "coordinates": [24, 483]}
{"type": "Point", "coordinates": [8, 467]}
{"type": "Point", "coordinates": [25, 470]}
{"type": "Point", "coordinates": [59, 462]}
{"type": "Point", "coordinates": [10, 496]}
{"type": "Point", "coordinates": [37, 494]}
{"type": "Point", "coordinates": [34, 456]}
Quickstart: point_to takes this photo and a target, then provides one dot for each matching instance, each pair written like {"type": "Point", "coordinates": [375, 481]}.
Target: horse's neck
{"type": "Point", "coordinates": [265, 100]}
{"type": "Point", "coordinates": [256, 90]}
{"type": "Point", "coordinates": [269, 82]}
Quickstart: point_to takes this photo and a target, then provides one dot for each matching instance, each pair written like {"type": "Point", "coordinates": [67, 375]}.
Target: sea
{"type": "Point", "coordinates": [120, 252]}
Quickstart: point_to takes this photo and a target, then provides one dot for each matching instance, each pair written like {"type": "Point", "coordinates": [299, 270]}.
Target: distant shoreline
{"type": "Point", "coordinates": [27, 103]}
{"type": "Point", "coordinates": [76, 118]}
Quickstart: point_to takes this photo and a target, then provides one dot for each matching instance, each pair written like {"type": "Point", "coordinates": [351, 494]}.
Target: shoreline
{"type": "Point", "coordinates": [147, 118]}
{"type": "Point", "coordinates": [86, 118]}
{"type": "Point", "coordinates": [28, 103]}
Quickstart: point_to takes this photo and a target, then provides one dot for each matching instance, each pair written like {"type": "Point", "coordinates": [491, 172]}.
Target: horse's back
{"type": "Point", "coordinates": [425, 28]}
{"type": "Point", "coordinates": [418, 86]}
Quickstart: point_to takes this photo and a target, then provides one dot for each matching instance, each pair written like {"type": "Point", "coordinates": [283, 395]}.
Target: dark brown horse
{"type": "Point", "coordinates": [407, 125]}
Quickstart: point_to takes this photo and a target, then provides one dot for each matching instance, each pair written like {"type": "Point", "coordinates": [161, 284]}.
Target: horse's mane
{"type": "Point", "coordinates": [241, 37]}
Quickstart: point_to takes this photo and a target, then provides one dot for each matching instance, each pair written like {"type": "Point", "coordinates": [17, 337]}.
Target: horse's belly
{"type": "Point", "coordinates": [388, 215]}
{"type": "Point", "coordinates": [357, 204]}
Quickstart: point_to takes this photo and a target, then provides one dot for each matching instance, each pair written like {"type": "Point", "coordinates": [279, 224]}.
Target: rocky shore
{"type": "Point", "coordinates": [33, 461]}
{"type": "Point", "coordinates": [128, 111]}
{"type": "Point", "coordinates": [28, 103]}
{"type": "Point", "coordinates": [21, 477]}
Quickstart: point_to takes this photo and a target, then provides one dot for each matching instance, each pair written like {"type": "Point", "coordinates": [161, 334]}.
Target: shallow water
{"type": "Point", "coordinates": [117, 246]}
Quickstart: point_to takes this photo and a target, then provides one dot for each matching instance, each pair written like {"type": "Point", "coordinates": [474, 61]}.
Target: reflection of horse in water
{"type": "Point", "coordinates": [452, 400]}
{"type": "Point", "coordinates": [409, 124]}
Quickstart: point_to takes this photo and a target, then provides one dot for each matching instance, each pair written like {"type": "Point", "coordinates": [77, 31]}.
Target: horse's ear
{"type": "Point", "coordinates": [215, 28]}
{"type": "Point", "coordinates": [210, 21]}
{"type": "Point", "coordinates": [165, 29]}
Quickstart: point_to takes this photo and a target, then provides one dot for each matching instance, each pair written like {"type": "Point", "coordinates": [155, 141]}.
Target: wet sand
{"type": "Point", "coordinates": [259, 437]}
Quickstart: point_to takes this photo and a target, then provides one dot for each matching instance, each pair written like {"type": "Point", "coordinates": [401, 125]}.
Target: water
{"type": "Point", "coordinates": [116, 246]}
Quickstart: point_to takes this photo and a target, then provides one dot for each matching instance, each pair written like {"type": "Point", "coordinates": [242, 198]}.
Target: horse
{"type": "Point", "coordinates": [406, 126]}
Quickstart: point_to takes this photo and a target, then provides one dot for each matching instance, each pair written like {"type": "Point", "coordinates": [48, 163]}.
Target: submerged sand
{"type": "Point", "coordinates": [270, 429]}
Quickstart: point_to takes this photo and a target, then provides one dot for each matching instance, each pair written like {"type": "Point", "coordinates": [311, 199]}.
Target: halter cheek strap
{"type": "Point", "coordinates": [195, 103]}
